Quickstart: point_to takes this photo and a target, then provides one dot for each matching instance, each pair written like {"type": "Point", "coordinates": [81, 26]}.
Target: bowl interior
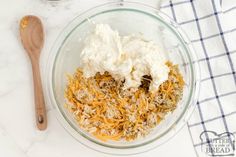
{"type": "Point", "coordinates": [126, 21]}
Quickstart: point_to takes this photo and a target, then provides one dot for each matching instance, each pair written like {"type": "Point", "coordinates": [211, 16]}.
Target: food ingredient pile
{"type": "Point", "coordinates": [103, 108]}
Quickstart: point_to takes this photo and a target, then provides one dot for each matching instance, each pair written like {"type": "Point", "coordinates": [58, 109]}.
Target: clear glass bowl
{"type": "Point", "coordinates": [127, 18]}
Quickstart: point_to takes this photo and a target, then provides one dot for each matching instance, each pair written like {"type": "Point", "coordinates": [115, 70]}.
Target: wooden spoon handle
{"type": "Point", "coordinates": [41, 118]}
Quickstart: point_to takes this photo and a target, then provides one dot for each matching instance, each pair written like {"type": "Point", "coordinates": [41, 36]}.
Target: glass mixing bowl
{"type": "Point", "coordinates": [127, 18]}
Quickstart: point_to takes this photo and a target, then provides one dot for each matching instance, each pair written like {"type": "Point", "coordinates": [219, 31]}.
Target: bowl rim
{"type": "Point", "coordinates": [174, 27]}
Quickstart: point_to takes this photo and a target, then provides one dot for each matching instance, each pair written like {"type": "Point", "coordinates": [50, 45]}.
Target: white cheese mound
{"type": "Point", "coordinates": [126, 58]}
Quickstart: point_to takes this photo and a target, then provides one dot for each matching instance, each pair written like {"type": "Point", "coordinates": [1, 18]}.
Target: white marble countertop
{"type": "Point", "coordinates": [18, 134]}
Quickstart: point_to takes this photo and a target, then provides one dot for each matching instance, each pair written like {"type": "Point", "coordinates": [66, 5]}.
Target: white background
{"type": "Point", "coordinates": [18, 134]}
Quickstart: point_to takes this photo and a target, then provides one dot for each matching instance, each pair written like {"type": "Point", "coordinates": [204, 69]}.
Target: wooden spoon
{"type": "Point", "coordinates": [32, 37]}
